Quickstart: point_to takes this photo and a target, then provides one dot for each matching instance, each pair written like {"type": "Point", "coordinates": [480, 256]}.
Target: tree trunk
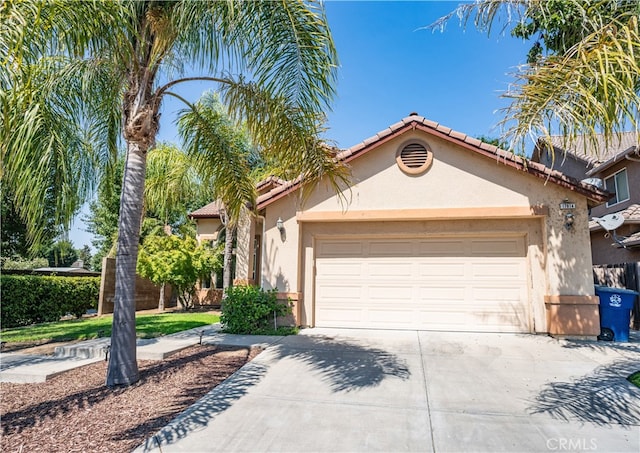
{"type": "Point", "coordinates": [161, 301]}
{"type": "Point", "coordinates": [123, 367]}
{"type": "Point", "coordinates": [228, 255]}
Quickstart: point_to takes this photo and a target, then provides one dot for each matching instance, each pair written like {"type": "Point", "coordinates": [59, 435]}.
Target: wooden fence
{"type": "Point", "coordinates": [625, 275]}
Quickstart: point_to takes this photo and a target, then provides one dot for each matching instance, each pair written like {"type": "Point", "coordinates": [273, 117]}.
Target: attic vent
{"type": "Point", "coordinates": [414, 157]}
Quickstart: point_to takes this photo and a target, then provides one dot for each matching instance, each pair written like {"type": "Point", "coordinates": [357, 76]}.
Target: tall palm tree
{"type": "Point", "coordinates": [583, 76]}
{"type": "Point", "coordinates": [81, 73]}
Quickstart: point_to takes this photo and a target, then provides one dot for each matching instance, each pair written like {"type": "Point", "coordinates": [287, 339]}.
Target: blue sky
{"type": "Point", "coordinates": [390, 67]}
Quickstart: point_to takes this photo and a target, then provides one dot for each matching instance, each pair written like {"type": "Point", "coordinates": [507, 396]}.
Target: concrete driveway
{"type": "Point", "coordinates": [334, 390]}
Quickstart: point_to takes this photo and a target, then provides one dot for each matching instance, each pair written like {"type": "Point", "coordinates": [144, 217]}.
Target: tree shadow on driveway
{"type": "Point", "coordinates": [344, 364]}
{"type": "Point", "coordinates": [200, 414]}
{"type": "Point", "coordinates": [602, 397]}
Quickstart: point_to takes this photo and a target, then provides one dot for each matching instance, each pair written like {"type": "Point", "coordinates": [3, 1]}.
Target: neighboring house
{"type": "Point", "coordinates": [437, 230]}
{"type": "Point", "coordinates": [618, 166]}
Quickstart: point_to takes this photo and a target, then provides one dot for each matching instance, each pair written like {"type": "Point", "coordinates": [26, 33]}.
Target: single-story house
{"type": "Point", "coordinates": [437, 231]}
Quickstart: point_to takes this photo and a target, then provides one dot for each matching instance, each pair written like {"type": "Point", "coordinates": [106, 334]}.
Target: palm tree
{"type": "Point", "coordinates": [222, 152]}
{"type": "Point", "coordinates": [78, 74]}
{"type": "Point", "coordinates": [583, 76]}
{"type": "Point", "coordinates": [172, 185]}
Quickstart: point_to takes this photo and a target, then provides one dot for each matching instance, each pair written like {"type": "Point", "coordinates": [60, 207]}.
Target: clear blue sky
{"type": "Point", "coordinates": [390, 67]}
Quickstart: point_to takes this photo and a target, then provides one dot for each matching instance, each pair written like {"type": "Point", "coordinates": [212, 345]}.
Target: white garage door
{"type": "Point", "coordinates": [460, 283]}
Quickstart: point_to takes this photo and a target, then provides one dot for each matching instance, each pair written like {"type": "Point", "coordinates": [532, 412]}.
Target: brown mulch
{"type": "Point", "coordinates": [75, 412]}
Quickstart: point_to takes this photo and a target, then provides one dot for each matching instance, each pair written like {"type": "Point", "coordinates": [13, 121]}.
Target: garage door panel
{"type": "Point", "coordinates": [497, 247]}
{"type": "Point", "coordinates": [333, 289]}
{"type": "Point", "coordinates": [340, 248]}
{"type": "Point", "coordinates": [501, 270]}
{"type": "Point", "coordinates": [441, 248]}
{"type": "Point", "coordinates": [391, 294]}
{"type": "Point", "coordinates": [442, 269]}
{"type": "Point", "coordinates": [469, 283]}
{"type": "Point", "coordinates": [340, 269]}
{"type": "Point", "coordinates": [390, 248]}
{"type": "Point", "coordinates": [390, 269]}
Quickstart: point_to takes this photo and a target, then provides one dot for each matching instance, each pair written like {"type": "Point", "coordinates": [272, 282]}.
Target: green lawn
{"type": "Point", "coordinates": [635, 379]}
{"type": "Point", "coordinates": [147, 326]}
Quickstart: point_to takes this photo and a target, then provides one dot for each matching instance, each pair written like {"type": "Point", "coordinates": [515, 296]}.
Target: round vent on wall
{"type": "Point", "coordinates": [414, 157]}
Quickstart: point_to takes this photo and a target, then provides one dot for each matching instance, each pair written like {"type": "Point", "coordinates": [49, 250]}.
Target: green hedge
{"type": "Point", "coordinates": [29, 299]}
{"type": "Point", "coordinates": [250, 310]}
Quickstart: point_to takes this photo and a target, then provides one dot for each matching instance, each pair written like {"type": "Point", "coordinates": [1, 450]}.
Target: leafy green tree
{"type": "Point", "coordinates": [583, 77]}
{"type": "Point", "coordinates": [85, 255]}
{"type": "Point", "coordinates": [19, 263]}
{"type": "Point", "coordinates": [75, 75]}
{"type": "Point", "coordinates": [178, 262]}
{"type": "Point", "coordinates": [15, 240]}
{"type": "Point", "coordinates": [62, 254]}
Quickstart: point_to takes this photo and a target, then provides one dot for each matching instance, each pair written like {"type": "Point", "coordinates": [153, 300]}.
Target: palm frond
{"type": "Point", "coordinates": [286, 135]}
{"type": "Point", "coordinates": [220, 152]}
{"type": "Point", "coordinates": [593, 89]}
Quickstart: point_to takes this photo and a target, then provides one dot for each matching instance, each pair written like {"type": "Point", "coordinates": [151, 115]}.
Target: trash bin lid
{"type": "Point", "coordinates": [609, 289]}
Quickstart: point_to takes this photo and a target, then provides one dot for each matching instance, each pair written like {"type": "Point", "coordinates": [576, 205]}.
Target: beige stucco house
{"type": "Point", "coordinates": [437, 230]}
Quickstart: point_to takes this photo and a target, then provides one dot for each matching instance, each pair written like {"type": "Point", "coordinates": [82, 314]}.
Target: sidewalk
{"type": "Point", "coordinates": [28, 368]}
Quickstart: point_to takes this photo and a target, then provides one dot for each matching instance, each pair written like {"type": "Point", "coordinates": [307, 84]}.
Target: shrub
{"type": "Point", "coordinates": [29, 299]}
{"type": "Point", "coordinates": [251, 310]}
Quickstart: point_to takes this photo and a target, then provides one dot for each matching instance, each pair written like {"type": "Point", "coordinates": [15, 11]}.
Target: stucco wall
{"type": "Point", "coordinates": [207, 229]}
{"type": "Point", "coordinates": [604, 252]}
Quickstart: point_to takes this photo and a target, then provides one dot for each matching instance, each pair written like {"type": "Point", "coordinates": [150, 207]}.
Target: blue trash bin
{"type": "Point", "coordinates": [615, 311]}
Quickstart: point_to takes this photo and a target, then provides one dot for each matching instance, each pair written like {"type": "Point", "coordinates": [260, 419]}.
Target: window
{"type": "Point", "coordinates": [205, 282]}
{"type": "Point", "coordinates": [618, 185]}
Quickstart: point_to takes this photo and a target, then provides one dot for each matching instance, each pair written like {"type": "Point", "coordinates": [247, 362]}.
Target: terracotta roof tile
{"type": "Point", "coordinates": [489, 147]}
{"type": "Point", "coordinates": [443, 129]}
{"type": "Point", "coordinates": [394, 127]}
{"type": "Point", "coordinates": [472, 141]}
{"type": "Point", "coordinates": [212, 210]}
{"type": "Point", "coordinates": [457, 135]}
{"type": "Point", "coordinates": [370, 140]}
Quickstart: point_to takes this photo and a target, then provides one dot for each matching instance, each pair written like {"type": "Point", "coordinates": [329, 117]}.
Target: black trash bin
{"type": "Point", "coordinates": [615, 312]}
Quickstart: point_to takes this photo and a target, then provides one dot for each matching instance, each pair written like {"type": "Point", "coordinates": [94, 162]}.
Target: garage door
{"type": "Point", "coordinates": [460, 283]}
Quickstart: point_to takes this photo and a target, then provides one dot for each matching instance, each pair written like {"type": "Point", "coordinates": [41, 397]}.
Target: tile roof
{"type": "Point", "coordinates": [415, 121]}
{"type": "Point", "coordinates": [621, 145]}
{"type": "Point", "coordinates": [210, 211]}
{"type": "Point", "coordinates": [630, 241]}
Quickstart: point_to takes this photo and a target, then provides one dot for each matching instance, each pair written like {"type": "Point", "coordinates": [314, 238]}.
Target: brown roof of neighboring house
{"type": "Point", "coordinates": [415, 121]}
{"type": "Point", "coordinates": [605, 155]}
{"type": "Point", "coordinates": [212, 210]}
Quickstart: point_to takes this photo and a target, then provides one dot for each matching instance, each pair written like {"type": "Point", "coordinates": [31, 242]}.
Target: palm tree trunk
{"type": "Point", "coordinates": [228, 255]}
{"type": "Point", "coordinates": [123, 368]}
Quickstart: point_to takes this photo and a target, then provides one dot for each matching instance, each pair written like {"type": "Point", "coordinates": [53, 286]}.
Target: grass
{"type": "Point", "coordinates": [147, 326]}
{"type": "Point", "coordinates": [635, 379]}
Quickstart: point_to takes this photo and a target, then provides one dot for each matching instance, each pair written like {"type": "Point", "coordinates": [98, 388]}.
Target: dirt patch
{"type": "Point", "coordinates": [75, 412]}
